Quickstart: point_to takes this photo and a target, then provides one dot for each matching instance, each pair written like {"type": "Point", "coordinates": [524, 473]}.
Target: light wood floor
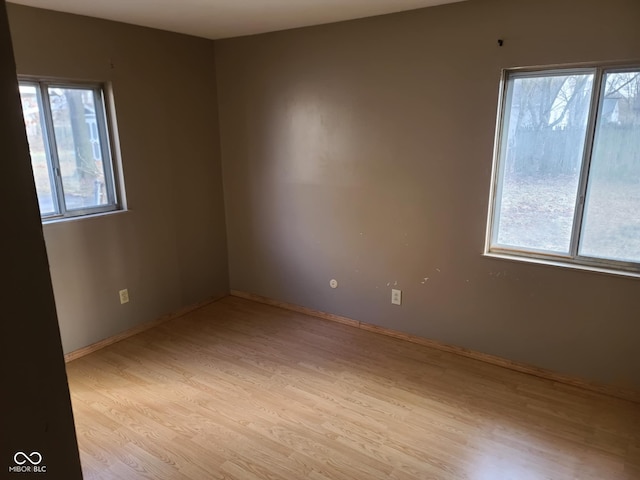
{"type": "Point", "coordinates": [240, 390]}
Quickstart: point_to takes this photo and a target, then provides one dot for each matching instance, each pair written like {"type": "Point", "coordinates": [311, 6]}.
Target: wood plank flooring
{"type": "Point", "coordinates": [240, 390]}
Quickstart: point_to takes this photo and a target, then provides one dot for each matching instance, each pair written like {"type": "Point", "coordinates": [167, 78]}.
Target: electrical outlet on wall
{"type": "Point", "coordinates": [396, 296]}
{"type": "Point", "coordinates": [124, 296]}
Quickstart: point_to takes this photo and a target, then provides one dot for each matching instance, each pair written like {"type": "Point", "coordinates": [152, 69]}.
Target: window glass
{"type": "Point", "coordinates": [611, 224]}
{"type": "Point", "coordinates": [83, 177]}
{"type": "Point", "coordinates": [542, 149]}
{"type": "Point", "coordinates": [39, 159]}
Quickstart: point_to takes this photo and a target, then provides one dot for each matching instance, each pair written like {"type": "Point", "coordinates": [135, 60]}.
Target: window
{"type": "Point", "coordinates": [567, 167]}
{"type": "Point", "coordinates": [68, 138]}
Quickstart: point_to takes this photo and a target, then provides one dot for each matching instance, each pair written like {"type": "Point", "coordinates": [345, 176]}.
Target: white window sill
{"type": "Point", "coordinates": [562, 264]}
{"type": "Point", "coordinates": [91, 216]}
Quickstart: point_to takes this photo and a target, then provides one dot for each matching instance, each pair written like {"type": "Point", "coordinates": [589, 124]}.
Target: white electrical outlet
{"type": "Point", "coordinates": [333, 283]}
{"type": "Point", "coordinates": [396, 296]}
{"type": "Point", "coordinates": [124, 296]}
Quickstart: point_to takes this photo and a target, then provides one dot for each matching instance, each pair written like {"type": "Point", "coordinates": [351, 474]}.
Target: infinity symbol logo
{"type": "Point", "coordinates": [34, 458]}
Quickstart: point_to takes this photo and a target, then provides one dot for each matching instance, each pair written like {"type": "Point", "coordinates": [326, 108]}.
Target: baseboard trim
{"type": "Point", "coordinates": [81, 352]}
{"type": "Point", "coordinates": [610, 390]}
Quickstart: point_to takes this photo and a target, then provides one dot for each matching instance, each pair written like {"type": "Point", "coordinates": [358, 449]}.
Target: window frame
{"type": "Point", "coordinates": [573, 259]}
{"type": "Point", "coordinates": [105, 126]}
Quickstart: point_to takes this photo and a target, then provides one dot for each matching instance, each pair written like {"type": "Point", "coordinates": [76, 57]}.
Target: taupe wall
{"type": "Point", "coordinates": [169, 249]}
{"type": "Point", "coordinates": [362, 151]}
{"type": "Point", "coordinates": [32, 366]}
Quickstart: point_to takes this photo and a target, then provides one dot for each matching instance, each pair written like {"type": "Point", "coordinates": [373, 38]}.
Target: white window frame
{"type": "Point", "coordinates": [573, 259]}
{"type": "Point", "coordinates": [105, 130]}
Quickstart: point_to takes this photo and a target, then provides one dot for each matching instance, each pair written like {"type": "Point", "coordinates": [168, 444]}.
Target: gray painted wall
{"type": "Point", "coordinates": [362, 151]}
{"type": "Point", "coordinates": [32, 366]}
{"type": "Point", "coordinates": [169, 249]}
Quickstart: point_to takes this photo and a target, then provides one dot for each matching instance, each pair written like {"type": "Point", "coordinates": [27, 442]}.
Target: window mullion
{"type": "Point", "coordinates": [586, 161]}
{"type": "Point", "coordinates": [51, 141]}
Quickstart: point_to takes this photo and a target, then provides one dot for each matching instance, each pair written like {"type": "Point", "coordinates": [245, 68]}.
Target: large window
{"type": "Point", "coordinates": [567, 167]}
{"type": "Point", "coordinates": [68, 137]}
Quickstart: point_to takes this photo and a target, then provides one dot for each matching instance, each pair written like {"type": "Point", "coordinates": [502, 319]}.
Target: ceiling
{"type": "Point", "coordinates": [230, 18]}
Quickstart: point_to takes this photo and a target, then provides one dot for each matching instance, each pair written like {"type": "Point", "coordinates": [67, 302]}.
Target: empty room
{"type": "Point", "coordinates": [321, 239]}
